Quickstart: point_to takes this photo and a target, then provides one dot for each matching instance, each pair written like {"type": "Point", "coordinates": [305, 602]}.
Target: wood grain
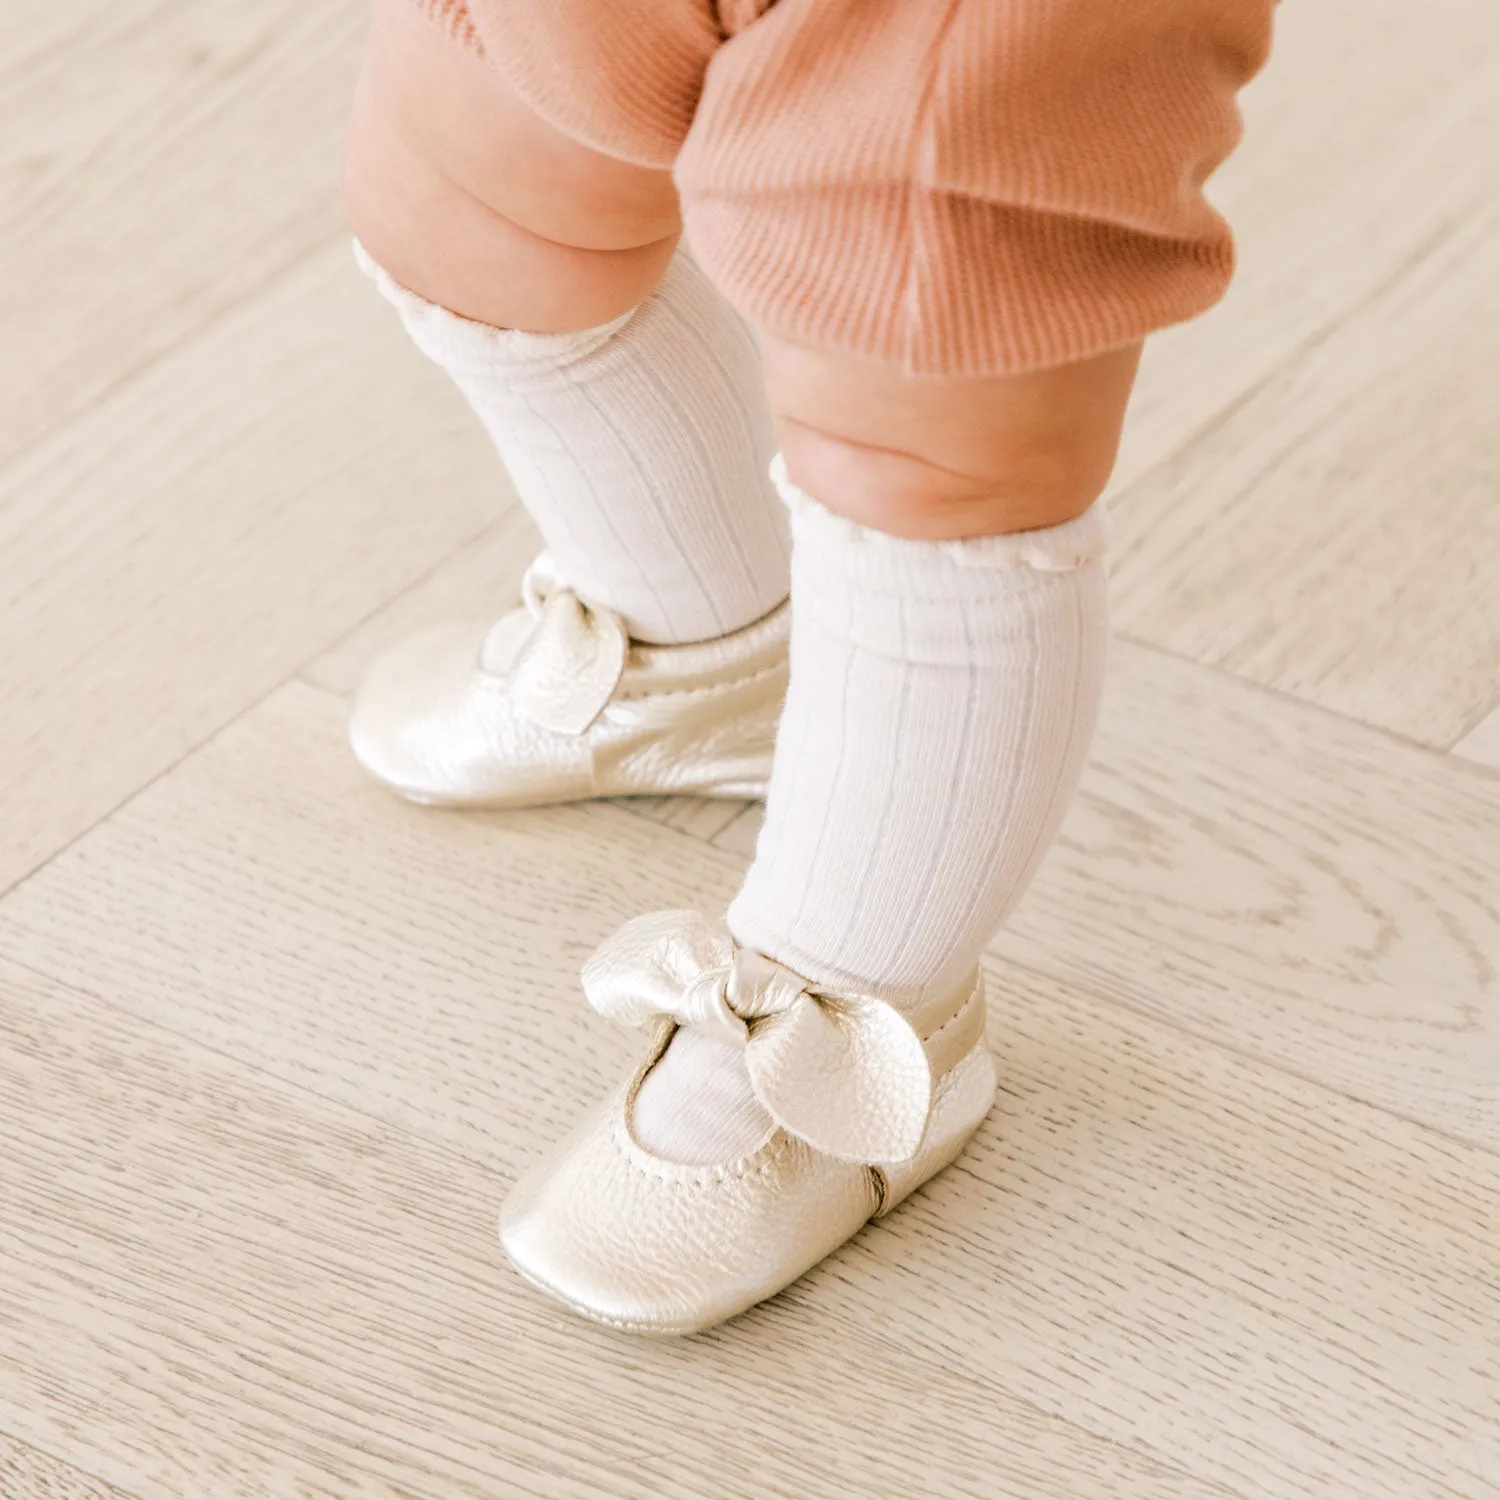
{"type": "Point", "coordinates": [1288, 884]}
{"type": "Point", "coordinates": [145, 148]}
{"type": "Point", "coordinates": [230, 1287]}
{"type": "Point", "coordinates": [1220, 1268]}
{"type": "Point", "coordinates": [706, 818]}
{"type": "Point", "coordinates": [478, 581]}
{"type": "Point", "coordinates": [273, 1043]}
{"type": "Point", "coordinates": [1355, 158]}
{"type": "Point", "coordinates": [1337, 537]}
{"type": "Point", "coordinates": [268, 875]}
{"type": "Point", "coordinates": [178, 551]}
{"type": "Point", "coordinates": [1220, 871]}
{"type": "Point", "coordinates": [1314, 1281]}
{"type": "Point", "coordinates": [27, 1474]}
{"type": "Point", "coordinates": [739, 836]}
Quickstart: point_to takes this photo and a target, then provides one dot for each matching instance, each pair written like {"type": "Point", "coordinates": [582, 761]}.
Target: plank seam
{"type": "Point", "coordinates": [1438, 753]}
{"type": "Point", "coordinates": [1490, 709]}
{"type": "Point", "coordinates": [1322, 334]}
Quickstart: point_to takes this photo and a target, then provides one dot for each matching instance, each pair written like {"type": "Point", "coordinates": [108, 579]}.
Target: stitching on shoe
{"type": "Point", "coordinates": [684, 1177]}
{"type": "Point", "coordinates": [959, 1014]}
{"type": "Point", "coordinates": [700, 692]}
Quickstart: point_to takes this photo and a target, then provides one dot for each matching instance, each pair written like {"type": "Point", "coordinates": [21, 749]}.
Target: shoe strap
{"type": "Point", "coordinates": [570, 664]}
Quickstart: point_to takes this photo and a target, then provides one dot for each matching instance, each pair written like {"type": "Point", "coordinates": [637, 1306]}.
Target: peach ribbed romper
{"type": "Point", "coordinates": [955, 186]}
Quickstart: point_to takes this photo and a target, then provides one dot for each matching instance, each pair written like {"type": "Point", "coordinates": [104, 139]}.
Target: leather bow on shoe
{"type": "Point", "coordinates": [566, 666]}
{"type": "Point", "coordinates": [845, 1073]}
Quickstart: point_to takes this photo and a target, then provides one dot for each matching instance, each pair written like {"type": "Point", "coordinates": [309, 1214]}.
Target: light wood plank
{"type": "Point", "coordinates": [27, 1474]}
{"type": "Point", "coordinates": [247, 1244]}
{"type": "Point", "coordinates": [1275, 1290]}
{"type": "Point", "coordinates": [1482, 744]}
{"type": "Point", "coordinates": [267, 875]}
{"type": "Point", "coordinates": [1338, 537]}
{"type": "Point", "coordinates": [146, 150]}
{"type": "Point", "coordinates": [1355, 158]}
{"type": "Point", "coordinates": [478, 581]}
{"type": "Point", "coordinates": [705, 818]}
{"type": "Point", "coordinates": [177, 552]}
{"type": "Point", "coordinates": [232, 1288]}
{"type": "Point", "coordinates": [1285, 883]}
{"type": "Point", "coordinates": [1287, 1292]}
{"type": "Point", "coordinates": [1221, 871]}
{"type": "Point", "coordinates": [739, 836]}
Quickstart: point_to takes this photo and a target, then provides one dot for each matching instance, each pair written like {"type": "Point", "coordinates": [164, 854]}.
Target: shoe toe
{"type": "Point", "coordinates": [419, 721]}
{"type": "Point", "coordinates": [649, 1246]}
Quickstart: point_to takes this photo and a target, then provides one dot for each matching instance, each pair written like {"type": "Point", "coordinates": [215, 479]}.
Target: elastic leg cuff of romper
{"type": "Point", "coordinates": [1071, 288]}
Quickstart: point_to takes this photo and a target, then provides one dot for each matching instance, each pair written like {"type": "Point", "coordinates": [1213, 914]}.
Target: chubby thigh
{"type": "Point", "coordinates": [467, 196]}
{"type": "Point", "coordinates": [523, 180]}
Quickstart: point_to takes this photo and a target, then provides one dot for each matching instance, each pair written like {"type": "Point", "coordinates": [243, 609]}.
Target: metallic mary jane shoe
{"type": "Point", "coordinates": [867, 1106]}
{"type": "Point", "coordinates": [554, 702]}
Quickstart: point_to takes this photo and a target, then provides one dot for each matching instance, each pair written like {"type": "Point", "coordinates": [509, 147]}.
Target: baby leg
{"type": "Point", "coordinates": [625, 398]}
{"type": "Point", "coordinates": [622, 392]}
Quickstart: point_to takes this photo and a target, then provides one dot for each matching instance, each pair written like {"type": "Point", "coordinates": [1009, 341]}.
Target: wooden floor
{"type": "Point", "coordinates": [274, 1045]}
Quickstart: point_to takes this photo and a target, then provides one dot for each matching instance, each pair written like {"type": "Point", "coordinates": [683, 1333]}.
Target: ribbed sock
{"type": "Point", "coordinates": [640, 449]}
{"type": "Point", "coordinates": [942, 700]}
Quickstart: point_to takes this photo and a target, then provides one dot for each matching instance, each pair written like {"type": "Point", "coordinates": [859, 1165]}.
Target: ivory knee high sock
{"type": "Point", "coordinates": [942, 699]}
{"type": "Point", "coordinates": [639, 448]}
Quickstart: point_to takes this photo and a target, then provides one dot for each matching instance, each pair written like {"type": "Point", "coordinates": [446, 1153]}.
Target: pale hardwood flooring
{"type": "Point", "coordinates": [273, 1045]}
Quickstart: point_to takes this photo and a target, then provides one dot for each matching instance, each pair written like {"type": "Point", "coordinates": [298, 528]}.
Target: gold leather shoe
{"type": "Point", "coordinates": [867, 1106]}
{"type": "Point", "coordinates": [555, 702]}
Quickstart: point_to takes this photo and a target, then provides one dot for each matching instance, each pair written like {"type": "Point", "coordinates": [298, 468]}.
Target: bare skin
{"type": "Point", "coordinates": [940, 456]}
{"type": "Point", "coordinates": [468, 198]}
{"type": "Point", "coordinates": [473, 201]}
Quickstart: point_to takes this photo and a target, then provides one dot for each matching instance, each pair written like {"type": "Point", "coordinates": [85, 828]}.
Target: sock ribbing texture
{"type": "Point", "coordinates": [640, 449]}
{"type": "Point", "coordinates": [942, 700]}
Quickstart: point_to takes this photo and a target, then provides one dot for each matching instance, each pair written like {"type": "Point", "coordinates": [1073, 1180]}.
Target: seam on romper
{"type": "Point", "coordinates": [921, 159]}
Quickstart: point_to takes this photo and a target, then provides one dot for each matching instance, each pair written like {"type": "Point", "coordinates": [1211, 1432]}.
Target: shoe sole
{"type": "Point", "coordinates": [729, 791]}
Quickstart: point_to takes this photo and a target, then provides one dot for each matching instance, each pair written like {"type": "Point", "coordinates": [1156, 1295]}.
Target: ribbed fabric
{"type": "Point", "coordinates": [952, 186]}
{"type": "Point", "coordinates": [622, 76]}
{"type": "Point", "coordinates": [639, 448]}
{"type": "Point", "coordinates": [696, 1105]}
{"type": "Point", "coordinates": [941, 703]}
{"type": "Point", "coordinates": [942, 700]}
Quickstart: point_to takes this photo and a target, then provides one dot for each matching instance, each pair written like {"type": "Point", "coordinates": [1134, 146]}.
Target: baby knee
{"type": "Point", "coordinates": [422, 95]}
{"type": "Point", "coordinates": [466, 197]}
{"type": "Point", "coordinates": [941, 457]}
{"type": "Point", "coordinates": [908, 494]}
